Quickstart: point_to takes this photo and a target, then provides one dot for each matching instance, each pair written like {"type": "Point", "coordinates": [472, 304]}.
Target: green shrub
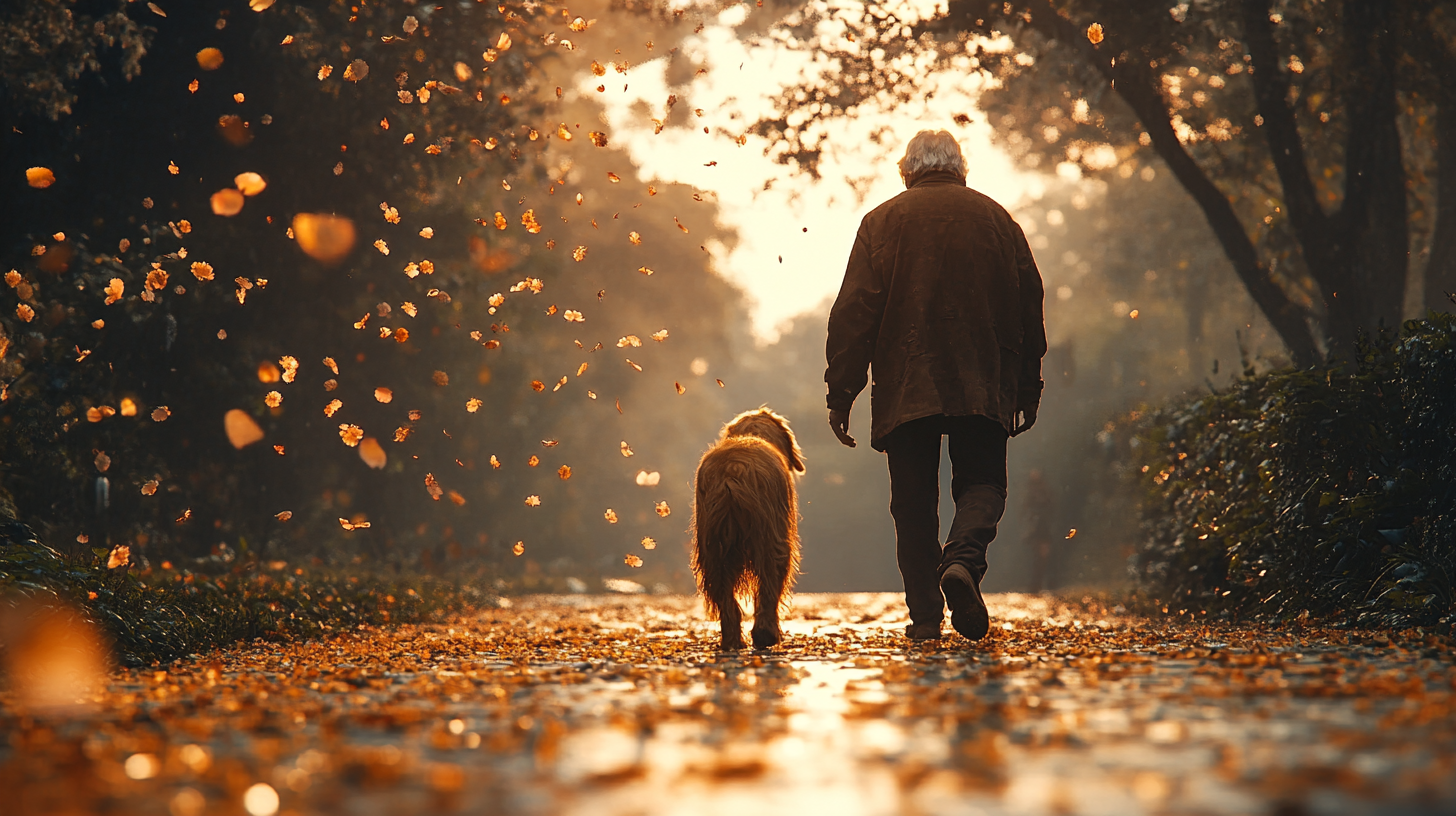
{"type": "Point", "coordinates": [157, 615]}
{"type": "Point", "coordinates": [1329, 490]}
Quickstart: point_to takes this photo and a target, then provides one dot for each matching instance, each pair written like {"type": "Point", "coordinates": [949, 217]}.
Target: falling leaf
{"type": "Point", "coordinates": [1094, 33]}
{"type": "Point", "coordinates": [660, 336]}
{"type": "Point", "coordinates": [250, 184]}
{"type": "Point", "coordinates": [559, 383]}
{"type": "Point", "coordinates": [564, 472]}
{"type": "Point", "coordinates": [356, 70]}
{"type": "Point", "coordinates": [161, 413]}
{"type": "Point", "coordinates": [519, 548]}
{"type": "Point", "coordinates": [598, 138]}
{"type": "Point", "coordinates": [573, 316]}
{"type": "Point", "coordinates": [209, 59]}
{"type": "Point", "coordinates": [663, 510]}
{"type": "Point", "coordinates": [680, 389]}
{"type": "Point", "coordinates": [202, 270]}
{"type": "Point", "coordinates": [646, 479]}
{"type": "Point", "coordinates": [353, 525]}
{"type": "Point", "coordinates": [644, 270]}
{"type": "Point", "coordinates": [432, 486]}
{"type": "Point", "coordinates": [472, 405]}
{"type": "Point", "coordinates": [261, 5]}
{"type": "Point", "coordinates": [720, 384]}
{"type": "Point", "coordinates": [227, 202]}
{"type": "Point", "coordinates": [578, 254]}
{"type": "Point", "coordinates": [333, 366]}
{"type": "Point", "coordinates": [40, 177]}
{"type": "Point", "coordinates": [533, 501]}
{"type": "Point", "coordinates": [279, 449]}
{"type": "Point", "coordinates": [284, 516]}
{"type": "Point", "coordinates": [241, 430]}
{"type": "Point", "coordinates": [351, 434]}
{"type": "Point", "coordinates": [24, 312]}
{"type": "Point", "coordinates": [626, 449]}
{"type": "Point", "coordinates": [372, 453]}
{"type": "Point", "coordinates": [273, 399]}
{"type": "Point", "coordinates": [634, 365]}
{"type": "Point", "coordinates": [186, 514]}
{"type": "Point", "coordinates": [533, 461]}
{"type": "Point", "coordinates": [613, 177]}
{"type": "Point", "coordinates": [610, 516]}
{"type": "Point", "coordinates": [149, 487]}
{"type": "Point", "coordinates": [634, 237]}
{"type": "Point", "coordinates": [325, 238]}
{"type": "Point", "coordinates": [332, 408]}
{"type": "Point", "coordinates": [1072, 533]}
{"type": "Point", "coordinates": [383, 395]}
{"type": "Point", "coordinates": [630, 340]}
{"type": "Point", "coordinates": [120, 556]}
{"type": "Point", "coordinates": [632, 561]}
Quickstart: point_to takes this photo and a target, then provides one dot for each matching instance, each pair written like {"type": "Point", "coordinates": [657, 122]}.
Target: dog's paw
{"type": "Point", "coordinates": [766, 639]}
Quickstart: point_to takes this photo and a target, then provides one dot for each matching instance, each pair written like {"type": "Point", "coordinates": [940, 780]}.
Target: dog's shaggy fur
{"type": "Point", "coordinates": [746, 524]}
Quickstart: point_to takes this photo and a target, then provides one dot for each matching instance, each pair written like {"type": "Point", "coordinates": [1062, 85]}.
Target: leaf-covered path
{"type": "Point", "coordinates": [609, 705]}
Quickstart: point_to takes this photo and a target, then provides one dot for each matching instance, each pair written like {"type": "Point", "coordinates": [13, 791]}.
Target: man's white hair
{"type": "Point", "coordinates": [932, 150]}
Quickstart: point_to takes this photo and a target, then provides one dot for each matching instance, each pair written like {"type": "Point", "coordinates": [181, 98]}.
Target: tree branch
{"type": "Point", "coordinates": [1130, 79]}
{"type": "Point", "coordinates": [1271, 90]}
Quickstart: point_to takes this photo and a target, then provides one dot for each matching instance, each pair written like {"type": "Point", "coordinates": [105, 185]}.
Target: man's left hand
{"type": "Point", "coordinates": [1023, 420]}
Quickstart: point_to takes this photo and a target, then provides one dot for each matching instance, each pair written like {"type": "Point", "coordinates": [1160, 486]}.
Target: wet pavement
{"type": "Point", "coordinates": [620, 705]}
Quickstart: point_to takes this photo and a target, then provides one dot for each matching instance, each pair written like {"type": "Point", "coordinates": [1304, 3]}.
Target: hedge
{"type": "Point", "coordinates": [1328, 491]}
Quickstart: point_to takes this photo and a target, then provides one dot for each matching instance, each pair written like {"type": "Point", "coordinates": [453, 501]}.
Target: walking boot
{"type": "Point", "coordinates": [967, 609]}
{"type": "Point", "coordinates": [923, 631]}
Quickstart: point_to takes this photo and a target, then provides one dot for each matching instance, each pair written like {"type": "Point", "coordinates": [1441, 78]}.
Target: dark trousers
{"type": "Point", "coordinates": [978, 484]}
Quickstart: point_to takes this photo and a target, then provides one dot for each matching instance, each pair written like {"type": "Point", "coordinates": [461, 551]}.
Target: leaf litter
{"type": "Point", "coordinates": [623, 700]}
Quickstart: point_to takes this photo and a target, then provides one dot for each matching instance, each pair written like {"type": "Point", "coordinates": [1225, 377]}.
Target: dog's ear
{"type": "Point", "coordinates": [795, 454]}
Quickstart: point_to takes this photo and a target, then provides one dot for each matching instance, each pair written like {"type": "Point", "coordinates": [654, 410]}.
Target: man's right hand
{"type": "Point", "coordinates": [1022, 420]}
{"type": "Point", "coordinates": [839, 423]}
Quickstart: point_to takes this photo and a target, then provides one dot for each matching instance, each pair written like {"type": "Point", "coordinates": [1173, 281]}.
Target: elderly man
{"type": "Point", "coordinates": [943, 299]}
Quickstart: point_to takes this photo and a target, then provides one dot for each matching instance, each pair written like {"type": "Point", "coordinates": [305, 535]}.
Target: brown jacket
{"type": "Point", "coordinates": [943, 298]}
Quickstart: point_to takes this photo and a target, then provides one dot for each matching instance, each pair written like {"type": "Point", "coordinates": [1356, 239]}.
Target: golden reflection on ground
{"type": "Point", "coordinates": [606, 705]}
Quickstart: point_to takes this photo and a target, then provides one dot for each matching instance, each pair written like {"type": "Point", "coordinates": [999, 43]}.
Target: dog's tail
{"type": "Point", "coordinates": [744, 524]}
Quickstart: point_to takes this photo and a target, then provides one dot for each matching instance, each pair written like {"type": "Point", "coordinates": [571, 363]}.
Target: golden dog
{"type": "Point", "coordinates": [746, 524]}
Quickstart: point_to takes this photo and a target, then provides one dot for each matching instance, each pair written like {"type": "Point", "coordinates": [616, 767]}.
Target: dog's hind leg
{"type": "Point", "coordinates": [771, 565]}
{"type": "Point", "coordinates": [730, 618]}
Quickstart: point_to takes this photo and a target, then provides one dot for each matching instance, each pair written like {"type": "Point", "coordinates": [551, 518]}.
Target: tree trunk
{"type": "Point", "coordinates": [1359, 256]}
{"type": "Point", "coordinates": [1441, 267]}
{"type": "Point", "coordinates": [1372, 238]}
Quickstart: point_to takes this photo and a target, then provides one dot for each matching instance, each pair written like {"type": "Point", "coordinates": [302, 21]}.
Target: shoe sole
{"type": "Point", "coordinates": [967, 616]}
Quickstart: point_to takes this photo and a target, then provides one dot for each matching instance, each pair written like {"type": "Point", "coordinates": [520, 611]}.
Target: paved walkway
{"type": "Point", "coordinates": [619, 705]}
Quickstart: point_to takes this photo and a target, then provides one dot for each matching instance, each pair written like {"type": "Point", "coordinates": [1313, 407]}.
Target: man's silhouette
{"type": "Point", "coordinates": [943, 300]}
